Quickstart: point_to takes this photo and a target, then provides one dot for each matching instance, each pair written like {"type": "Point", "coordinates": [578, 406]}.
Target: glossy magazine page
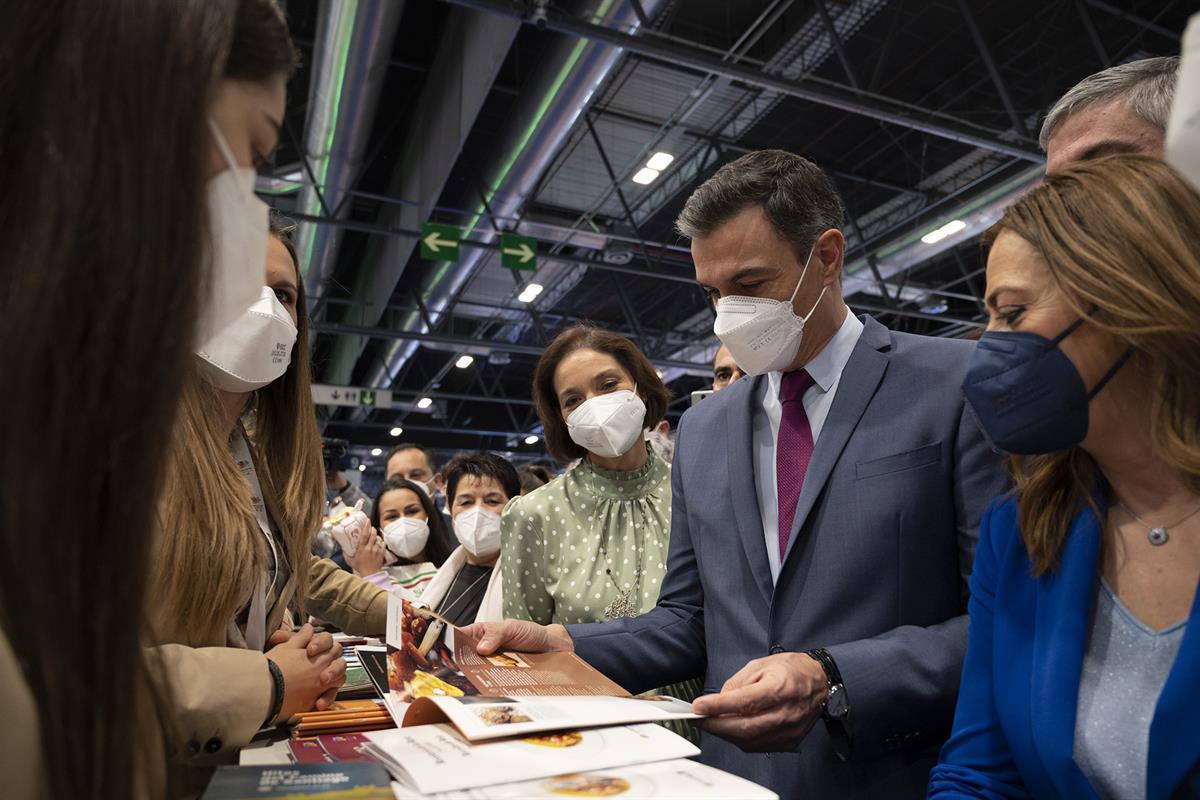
{"type": "Point", "coordinates": [665, 780]}
{"type": "Point", "coordinates": [436, 758]}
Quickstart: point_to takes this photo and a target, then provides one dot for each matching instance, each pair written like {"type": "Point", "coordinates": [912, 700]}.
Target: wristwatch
{"type": "Point", "coordinates": [836, 709]}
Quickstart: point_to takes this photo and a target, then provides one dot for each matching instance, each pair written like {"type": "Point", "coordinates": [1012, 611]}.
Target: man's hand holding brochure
{"type": "Point", "coordinates": [471, 721]}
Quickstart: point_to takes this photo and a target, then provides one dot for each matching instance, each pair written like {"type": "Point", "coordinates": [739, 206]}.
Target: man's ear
{"type": "Point", "coordinates": [438, 481]}
{"type": "Point", "coordinates": [830, 251]}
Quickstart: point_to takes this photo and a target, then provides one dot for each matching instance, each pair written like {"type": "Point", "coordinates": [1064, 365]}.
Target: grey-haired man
{"type": "Point", "coordinates": [1122, 109]}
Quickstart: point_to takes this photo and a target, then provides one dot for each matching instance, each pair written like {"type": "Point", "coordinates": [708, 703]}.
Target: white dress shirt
{"type": "Point", "coordinates": [825, 368]}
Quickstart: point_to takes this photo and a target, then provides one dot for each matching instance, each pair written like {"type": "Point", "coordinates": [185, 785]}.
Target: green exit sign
{"type": "Point", "coordinates": [439, 242]}
{"type": "Point", "coordinates": [518, 252]}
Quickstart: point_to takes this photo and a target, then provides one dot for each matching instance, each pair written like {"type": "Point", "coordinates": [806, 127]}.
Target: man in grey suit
{"type": "Point", "coordinates": [824, 514]}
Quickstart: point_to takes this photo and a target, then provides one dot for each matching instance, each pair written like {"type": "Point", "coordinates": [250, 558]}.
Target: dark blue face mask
{"type": "Point", "coordinates": [1027, 394]}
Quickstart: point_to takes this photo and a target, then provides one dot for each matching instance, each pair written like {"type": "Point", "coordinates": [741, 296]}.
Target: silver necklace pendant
{"type": "Point", "coordinates": [621, 606]}
{"type": "Point", "coordinates": [1158, 536]}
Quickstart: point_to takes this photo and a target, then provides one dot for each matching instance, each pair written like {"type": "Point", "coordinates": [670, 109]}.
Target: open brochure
{"type": "Point", "coordinates": [666, 780]}
{"type": "Point", "coordinates": [435, 675]}
{"type": "Point", "coordinates": [436, 758]}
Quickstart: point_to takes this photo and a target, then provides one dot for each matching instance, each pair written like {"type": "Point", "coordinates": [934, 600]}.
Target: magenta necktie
{"type": "Point", "coordinates": [793, 449]}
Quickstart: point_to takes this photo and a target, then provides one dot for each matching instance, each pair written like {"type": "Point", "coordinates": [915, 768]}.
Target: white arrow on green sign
{"type": "Point", "coordinates": [518, 252]}
{"type": "Point", "coordinates": [439, 242]}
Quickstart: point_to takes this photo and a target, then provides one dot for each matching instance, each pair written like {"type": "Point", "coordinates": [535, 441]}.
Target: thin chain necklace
{"type": "Point", "coordinates": [446, 607]}
{"type": "Point", "coordinates": [1158, 534]}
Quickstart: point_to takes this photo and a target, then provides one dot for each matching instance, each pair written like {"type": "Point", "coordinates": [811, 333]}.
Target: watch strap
{"type": "Point", "coordinates": [838, 728]}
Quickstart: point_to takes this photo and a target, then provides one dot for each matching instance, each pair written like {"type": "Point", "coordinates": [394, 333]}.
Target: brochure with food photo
{"type": "Point", "coordinates": [666, 780]}
{"type": "Point", "coordinates": [481, 718]}
{"type": "Point", "coordinates": [436, 675]}
{"type": "Point", "coordinates": [437, 758]}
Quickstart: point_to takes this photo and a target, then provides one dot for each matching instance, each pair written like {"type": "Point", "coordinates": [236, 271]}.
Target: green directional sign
{"type": "Point", "coordinates": [439, 242]}
{"type": "Point", "coordinates": [366, 397]}
{"type": "Point", "coordinates": [518, 252]}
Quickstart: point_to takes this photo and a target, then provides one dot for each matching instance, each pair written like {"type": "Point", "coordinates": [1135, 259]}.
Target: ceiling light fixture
{"type": "Point", "coordinates": [645, 176]}
{"type": "Point", "coordinates": [530, 292]}
{"type": "Point", "coordinates": [660, 161]}
{"type": "Point", "coordinates": [949, 229]}
{"type": "Point", "coordinates": [464, 361]}
{"type": "Point", "coordinates": [531, 439]}
{"type": "Point", "coordinates": [377, 451]}
{"type": "Point", "coordinates": [424, 402]}
{"type": "Point", "coordinates": [396, 431]}
{"type": "Point", "coordinates": [362, 467]}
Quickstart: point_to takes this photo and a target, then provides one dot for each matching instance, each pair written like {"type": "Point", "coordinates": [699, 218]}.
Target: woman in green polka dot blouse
{"type": "Point", "coordinates": [591, 545]}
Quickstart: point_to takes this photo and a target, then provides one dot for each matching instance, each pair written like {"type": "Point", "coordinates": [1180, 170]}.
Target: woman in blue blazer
{"type": "Point", "coordinates": [1082, 675]}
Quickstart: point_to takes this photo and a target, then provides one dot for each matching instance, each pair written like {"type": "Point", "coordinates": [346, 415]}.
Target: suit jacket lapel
{"type": "Point", "coordinates": [1174, 746]}
{"type": "Point", "coordinates": [739, 428]}
{"type": "Point", "coordinates": [856, 387]}
{"type": "Point", "coordinates": [1064, 616]}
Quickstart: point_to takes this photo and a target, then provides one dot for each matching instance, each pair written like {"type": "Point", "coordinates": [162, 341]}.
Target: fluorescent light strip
{"type": "Point", "coordinates": [660, 161]}
{"type": "Point", "coordinates": [645, 176]}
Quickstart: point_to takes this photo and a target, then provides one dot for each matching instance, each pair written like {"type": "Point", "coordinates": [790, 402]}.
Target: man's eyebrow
{"type": "Point", "coordinates": [1107, 148]}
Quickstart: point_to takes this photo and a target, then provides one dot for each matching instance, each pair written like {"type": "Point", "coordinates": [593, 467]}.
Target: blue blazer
{"type": "Point", "coordinates": [876, 569]}
{"type": "Point", "coordinates": [1014, 730]}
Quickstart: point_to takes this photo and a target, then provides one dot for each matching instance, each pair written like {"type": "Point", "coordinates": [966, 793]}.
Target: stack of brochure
{"type": "Point", "coordinates": [526, 725]}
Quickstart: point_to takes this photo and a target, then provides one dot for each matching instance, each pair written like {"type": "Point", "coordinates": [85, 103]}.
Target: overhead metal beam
{"type": "Point", "coordinates": [386, 230]}
{"type": "Point", "coordinates": [813, 90]}
{"type": "Point", "coordinates": [1089, 28]}
{"type": "Point", "coordinates": [334, 423]}
{"type": "Point", "coordinates": [474, 398]}
{"type": "Point", "coordinates": [468, 343]}
{"type": "Point", "coordinates": [1147, 24]}
{"type": "Point", "coordinates": [875, 308]}
{"type": "Point", "coordinates": [985, 53]}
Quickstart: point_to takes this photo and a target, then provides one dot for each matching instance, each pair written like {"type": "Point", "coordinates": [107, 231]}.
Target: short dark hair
{"type": "Point", "coordinates": [588, 337]}
{"type": "Point", "coordinates": [400, 448]}
{"type": "Point", "coordinates": [437, 548]}
{"type": "Point", "coordinates": [533, 476]}
{"type": "Point", "coordinates": [797, 197]}
{"type": "Point", "coordinates": [481, 465]}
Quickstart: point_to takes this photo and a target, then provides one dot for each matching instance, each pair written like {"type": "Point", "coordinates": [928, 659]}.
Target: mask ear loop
{"type": "Point", "coordinates": [803, 272]}
{"type": "Point", "coordinates": [1108, 376]}
{"type": "Point", "coordinates": [222, 145]}
{"type": "Point", "coordinates": [1074, 326]}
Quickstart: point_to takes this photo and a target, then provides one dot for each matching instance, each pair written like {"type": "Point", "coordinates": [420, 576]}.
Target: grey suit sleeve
{"type": "Point", "coordinates": [902, 685]}
{"type": "Point", "coordinates": [666, 644]}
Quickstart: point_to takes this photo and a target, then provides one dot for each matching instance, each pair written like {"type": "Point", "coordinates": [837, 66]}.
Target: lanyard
{"type": "Point", "coordinates": [256, 621]}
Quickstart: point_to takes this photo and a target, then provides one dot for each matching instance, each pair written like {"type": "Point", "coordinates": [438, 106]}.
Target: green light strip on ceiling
{"type": "Point", "coordinates": [564, 73]}
{"type": "Point", "coordinates": [348, 13]}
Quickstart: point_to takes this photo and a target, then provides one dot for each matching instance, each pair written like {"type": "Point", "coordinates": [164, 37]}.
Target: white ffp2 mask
{"type": "Point", "coordinates": [763, 335]}
{"type": "Point", "coordinates": [478, 531]}
{"type": "Point", "coordinates": [253, 350]}
{"type": "Point", "coordinates": [608, 425]}
{"type": "Point", "coordinates": [237, 229]}
{"type": "Point", "coordinates": [406, 537]}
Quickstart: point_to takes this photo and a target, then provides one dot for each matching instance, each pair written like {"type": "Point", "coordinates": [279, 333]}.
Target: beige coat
{"type": "Point", "coordinates": [223, 693]}
{"type": "Point", "coordinates": [20, 735]}
{"type": "Point", "coordinates": [21, 758]}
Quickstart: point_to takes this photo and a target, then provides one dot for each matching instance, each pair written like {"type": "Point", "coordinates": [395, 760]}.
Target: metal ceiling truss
{"type": "Point", "coordinates": [815, 90]}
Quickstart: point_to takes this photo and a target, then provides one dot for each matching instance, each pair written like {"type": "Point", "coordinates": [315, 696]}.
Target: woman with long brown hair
{"type": "Point", "coordinates": [109, 115]}
{"type": "Point", "coordinates": [241, 504]}
{"type": "Point", "coordinates": [1082, 675]}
